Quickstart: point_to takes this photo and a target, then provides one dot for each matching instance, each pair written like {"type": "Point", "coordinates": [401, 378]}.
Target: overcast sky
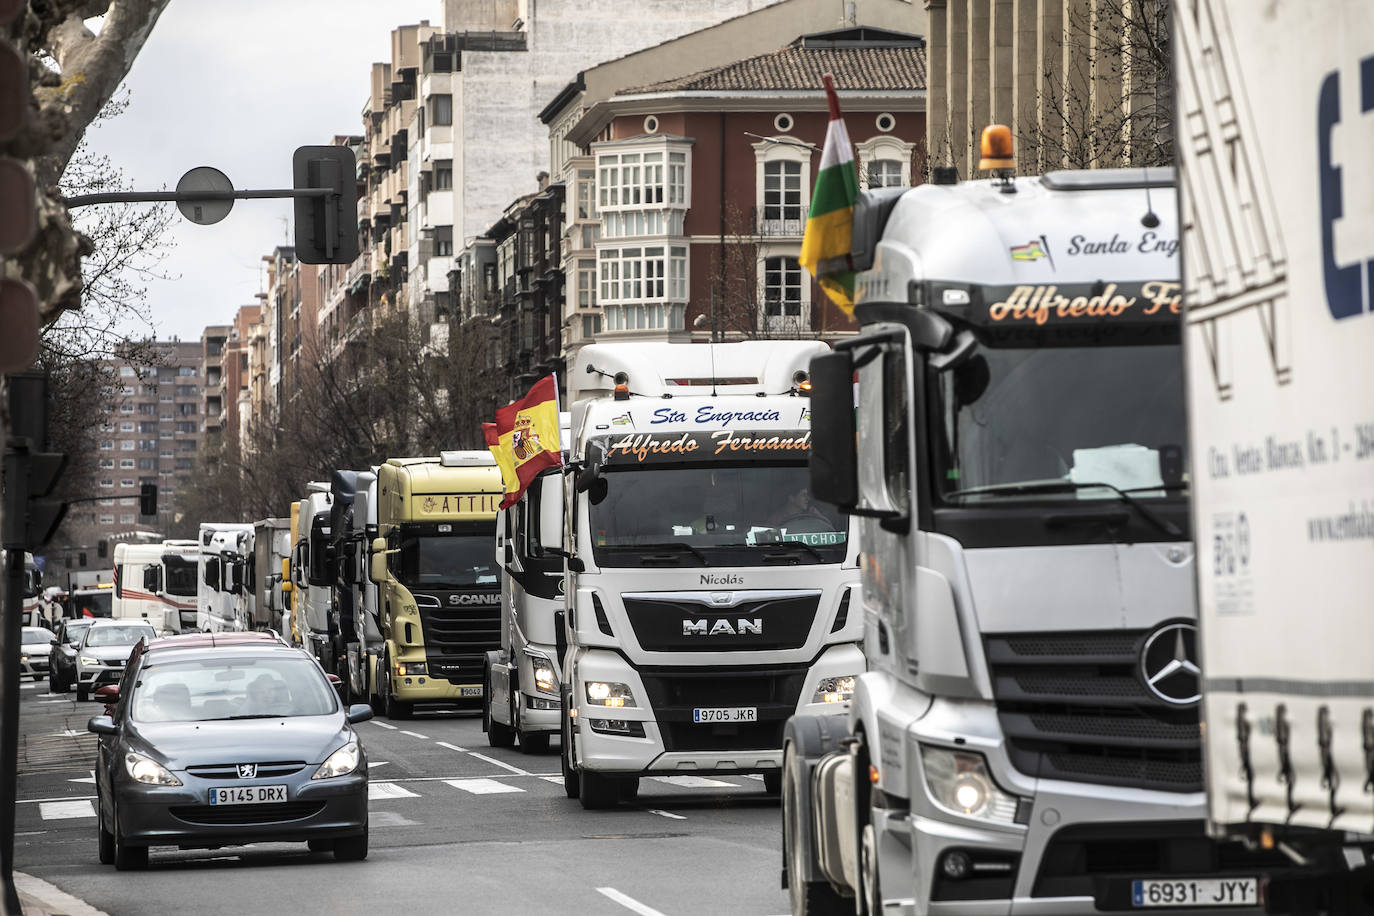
{"type": "Point", "coordinates": [238, 86]}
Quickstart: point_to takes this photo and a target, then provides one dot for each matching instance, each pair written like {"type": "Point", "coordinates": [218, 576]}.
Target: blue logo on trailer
{"type": "Point", "coordinates": [1349, 287]}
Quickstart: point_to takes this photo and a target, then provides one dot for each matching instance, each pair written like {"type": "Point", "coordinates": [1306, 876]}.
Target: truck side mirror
{"type": "Point", "coordinates": [551, 511]}
{"type": "Point", "coordinates": [376, 566]}
{"type": "Point", "coordinates": [834, 463]}
{"type": "Point", "coordinates": [212, 573]}
{"type": "Point", "coordinates": [286, 585]}
{"type": "Point", "coordinates": [152, 579]}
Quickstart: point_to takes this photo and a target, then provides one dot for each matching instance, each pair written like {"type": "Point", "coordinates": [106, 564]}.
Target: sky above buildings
{"type": "Point", "coordinates": [238, 86]}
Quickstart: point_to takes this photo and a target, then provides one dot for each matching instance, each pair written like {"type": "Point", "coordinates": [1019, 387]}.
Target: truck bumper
{"type": "Point", "coordinates": [434, 690]}
{"type": "Point", "coordinates": [659, 735]}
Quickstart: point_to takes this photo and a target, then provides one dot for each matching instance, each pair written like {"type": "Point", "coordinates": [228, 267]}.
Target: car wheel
{"type": "Point", "coordinates": [126, 857]}
{"type": "Point", "coordinates": [571, 780]}
{"type": "Point", "coordinates": [107, 840]}
{"type": "Point", "coordinates": [320, 845]}
{"type": "Point", "coordinates": [629, 788]}
{"type": "Point", "coordinates": [82, 694]}
{"type": "Point", "coordinates": [534, 742]}
{"type": "Point", "coordinates": [597, 791]}
{"type": "Point", "coordinates": [351, 849]}
{"type": "Point", "coordinates": [772, 782]}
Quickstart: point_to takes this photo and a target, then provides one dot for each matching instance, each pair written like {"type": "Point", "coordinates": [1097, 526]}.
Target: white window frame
{"type": "Point", "coordinates": [790, 150]}
{"type": "Point", "coordinates": [783, 323]}
{"type": "Point", "coordinates": [884, 146]}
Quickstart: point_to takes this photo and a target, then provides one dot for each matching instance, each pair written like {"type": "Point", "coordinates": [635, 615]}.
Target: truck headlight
{"type": "Point", "coordinates": [148, 771]}
{"type": "Point", "coordinates": [834, 690]}
{"type": "Point", "coordinates": [411, 668]}
{"type": "Point", "coordinates": [959, 781]}
{"type": "Point", "coordinates": [93, 662]}
{"type": "Point", "coordinates": [340, 763]}
{"type": "Point", "coordinates": [602, 693]}
{"type": "Point", "coordinates": [543, 673]}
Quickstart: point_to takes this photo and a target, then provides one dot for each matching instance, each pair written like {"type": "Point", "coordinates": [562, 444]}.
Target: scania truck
{"type": "Point", "coordinates": [223, 599]}
{"type": "Point", "coordinates": [521, 699]}
{"type": "Point", "coordinates": [708, 596]}
{"type": "Point", "coordinates": [1025, 739]}
{"type": "Point", "coordinates": [156, 583]}
{"type": "Point", "coordinates": [437, 581]}
{"type": "Point", "coordinates": [1280, 332]}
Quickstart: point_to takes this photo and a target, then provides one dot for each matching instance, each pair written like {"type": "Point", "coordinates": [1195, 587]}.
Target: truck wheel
{"type": "Point", "coordinates": [499, 734]}
{"type": "Point", "coordinates": [572, 784]}
{"type": "Point", "coordinates": [870, 881]}
{"type": "Point", "coordinates": [392, 708]}
{"type": "Point", "coordinates": [808, 898]}
{"type": "Point", "coordinates": [534, 742]}
{"type": "Point", "coordinates": [599, 791]}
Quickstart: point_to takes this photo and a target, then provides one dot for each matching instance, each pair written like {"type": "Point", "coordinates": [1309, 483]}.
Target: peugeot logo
{"type": "Point", "coordinates": [1168, 664]}
{"type": "Point", "coordinates": [248, 770]}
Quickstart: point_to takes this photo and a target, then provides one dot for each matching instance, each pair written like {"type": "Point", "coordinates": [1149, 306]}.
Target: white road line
{"type": "Point", "coordinates": [393, 728]}
{"type": "Point", "coordinates": [628, 902]}
{"type": "Point", "coordinates": [662, 813]}
{"type": "Point", "coordinates": [497, 763]}
{"type": "Point", "coordinates": [452, 747]}
{"type": "Point", "coordinates": [27, 686]}
{"type": "Point", "coordinates": [415, 735]}
{"type": "Point", "coordinates": [90, 779]}
{"type": "Point", "coordinates": [556, 780]}
{"type": "Point", "coordinates": [71, 733]}
{"type": "Point", "coordinates": [57, 810]}
{"type": "Point", "coordinates": [482, 786]}
{"type": "Point", "coordinates": [39, 801]}
{"type": "Point", "coordinates": [694, 782]}
{"type": "Point", "coordinates": [376, 790]}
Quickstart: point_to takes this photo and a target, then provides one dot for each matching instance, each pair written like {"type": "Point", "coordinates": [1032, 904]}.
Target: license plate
{"type": "Point", "coordinates": [725, 714]}
{"type": "Point", "coordinates": [1196, 892]}
{"type": "Point", "coordinates": [248, 795]}
{"type": "Point", "coordinates": [469, 691]}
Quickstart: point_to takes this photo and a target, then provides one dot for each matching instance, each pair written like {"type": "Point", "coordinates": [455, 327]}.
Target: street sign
{"type": "Point", "coordinates": [204, 178]}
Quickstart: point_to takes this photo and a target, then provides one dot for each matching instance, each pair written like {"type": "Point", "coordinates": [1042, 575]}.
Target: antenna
{"type": "Point", "coordinates": [712, 345]}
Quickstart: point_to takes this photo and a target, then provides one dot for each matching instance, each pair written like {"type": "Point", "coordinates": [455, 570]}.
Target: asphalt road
{"type": "Point", "coordinates": [456, 826]}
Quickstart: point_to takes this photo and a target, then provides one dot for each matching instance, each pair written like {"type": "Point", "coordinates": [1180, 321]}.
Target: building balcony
{"type": "Point", "coordinates": [791, 227]}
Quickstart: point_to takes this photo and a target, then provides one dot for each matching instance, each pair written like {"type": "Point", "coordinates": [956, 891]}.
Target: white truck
{"type": "Point", "coordinates": [1277, 203]}
{"type": "Point", "coordinates": [223, 599]}
{"type": "Point", "coordinates": [521, 679]}
{"type": "Point", "coordinates": [708, 598]}
{"type": "Point", "coordinates": [311, 595]}
{"type": "Point", "coordinates": [271, 545]}
{"type": "Point", "coordinates": [353, 608]}
{"type": "Point", "coordinates": [156, 583]}
{"type": "Point", "coordinates": [1026, 737]}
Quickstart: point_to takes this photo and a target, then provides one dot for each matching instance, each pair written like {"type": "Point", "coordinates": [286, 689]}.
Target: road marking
{"type": "Point", "coordinates": [384, 725]}
{"type": "Point", "coordinates": [27, 686]}
{"type": "Point", "coordinates": [415, 735]}
{"type": "Point", "coordinates": [628, 902]}
{"type": "Point", "coordinates": [57, 810]}
{"type": "Point", "coordinates": [377, 763]}
{"type": "Point", "coordinates": [662, 813]}
{"type": "Point", "coordinates": [90, 779]}
{"type": "Point", "coordinates": [694, 782]}
{"type": "Point", "coordinates": [482, 786]}
{"type": "Point", "coordinates": [389, 819]}
{"type": "Point", "coordinates": [556, 780]}
{"type": "Point", "coordinates": [41, 832]}
{"type": "Point", "coordinates": [71, 733]}
{"type": "Point", "coordinates": [452, 747]}
{"type": "Point", "coordinates": [39, 801]}
{"type": "Point", "coordinates": [377, 790]}
{"type": "Point", "coordinates": [497, 763]}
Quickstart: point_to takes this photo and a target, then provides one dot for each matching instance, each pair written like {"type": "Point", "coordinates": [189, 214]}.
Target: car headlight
{"type": "Point", "coordinates": [411, 668]}
{"type": "Point", "coordinates": [543, 673]}
{"type": "Point", "coordinates": [340, 763]}
{"type": "Point", "coordinates": [148, 771]}
{"type": "Point", "coordinates": [603, 693]}
{"type": "Point", "coordinates": [834, 689]}
{"type": "Point", "coordinates": [959, 781]}
{"type": "Point", "coordinates": [88, 660]}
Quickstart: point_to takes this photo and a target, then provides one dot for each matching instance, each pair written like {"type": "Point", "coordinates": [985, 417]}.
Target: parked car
{"type": "Point", "coordinates": [103, 650]}
{"type": "Point", "coordinates": [229, 744]}
{"type": "Point", "coordinates": [62, 655]}
{"type": "Point", "coordinates": [34, 644]}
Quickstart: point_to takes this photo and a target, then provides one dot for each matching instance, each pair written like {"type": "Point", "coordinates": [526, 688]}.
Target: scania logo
{"type": "Point", "coordinates": [742, 626]}
{"type": "Point", "coordinates": [1169, 664]}
{"type": "Point", "coordinates": [247, 770]}
{"type": "Point", "coordinates": [474, 599]}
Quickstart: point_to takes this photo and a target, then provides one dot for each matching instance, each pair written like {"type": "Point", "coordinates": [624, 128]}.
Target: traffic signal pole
{"type": "Point", "coordinates": [11, 621]}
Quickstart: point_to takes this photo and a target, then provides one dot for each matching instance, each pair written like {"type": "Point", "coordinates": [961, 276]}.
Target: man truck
{"type": "Point", "coordinates": [1008, 427]}
{"type": "Point", "coordinates": [708, 598]}
{"type": "Point", "coordinates": [437, 581]}
{"type": "Point", "coordinates": [1280, 327]}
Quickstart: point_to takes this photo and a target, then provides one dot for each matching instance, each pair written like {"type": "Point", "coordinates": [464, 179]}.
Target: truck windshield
{"type": "Point", "coordinates": [757, 507]}
{"type": "Point", "coordinates": [1075, 415]}
{"type": "Point", "coordinates": [96, 604]}
{"type": "Point", "coordinates": [181, 576]}
{"type": "Point", "coordinates": [447, 560]}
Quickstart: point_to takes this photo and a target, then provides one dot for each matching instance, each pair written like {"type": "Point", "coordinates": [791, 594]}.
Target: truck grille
{"type": "Point", "coordinates": [1072, 707]}
{"type": "Point", "coordinates": [675, 692]}
{"type": "Point", "coordinates": [457, 637]}
{"type": "Point", "coordinates": [783, 620]}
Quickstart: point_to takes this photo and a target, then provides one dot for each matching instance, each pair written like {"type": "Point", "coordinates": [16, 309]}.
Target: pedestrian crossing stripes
{"type": "Point", "coordinates": [482, 786]}
{"type": "Point", "coordinates": [376, 790]}
{"type": "Point", "coordinates": [694, 782]}
{"type": "Point", "coordinates": [61, 810]}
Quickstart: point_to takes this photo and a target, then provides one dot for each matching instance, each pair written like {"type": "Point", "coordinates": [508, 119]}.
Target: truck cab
{"type": "Point", "coordinates": [156, 583]}
{"type": "Point", "coordinates": [311, 595]}
{"type": "Point", "coordinates": [271, 545]}
{"type": "Point", "coordinates": [223, 593]}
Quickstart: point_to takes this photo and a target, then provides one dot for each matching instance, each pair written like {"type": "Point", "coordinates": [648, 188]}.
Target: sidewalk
{"type": "Point", "coordinates": [39, 898]}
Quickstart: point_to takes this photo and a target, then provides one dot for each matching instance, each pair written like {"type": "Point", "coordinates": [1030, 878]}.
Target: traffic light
{"type": "Point", "coordinates": [147, 499]}
{"type": "Point", "coordinates": [30, 473]}
{"type": "Point", "coordinates": [326, 225]}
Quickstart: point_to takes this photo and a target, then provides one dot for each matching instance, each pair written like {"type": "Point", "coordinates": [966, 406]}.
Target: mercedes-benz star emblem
{"type": "Point", "coordinates": [248, 770]}
{"type": "Point", "coordinates": [1168, 664]}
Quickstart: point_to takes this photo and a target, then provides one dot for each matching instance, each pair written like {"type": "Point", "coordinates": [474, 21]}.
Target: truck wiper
{"type": "Point", "coordinates": [790, 545]}
{"type": "Point", "coordinates": [1071, 486]}
{"type": "Point", "coordinates": [647, 550]}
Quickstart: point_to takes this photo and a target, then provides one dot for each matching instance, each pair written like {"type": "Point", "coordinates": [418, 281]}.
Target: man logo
{"type": "Point", "coordinates": [248, 770]}
{"type": "Point", "coordinates": [743, 626]}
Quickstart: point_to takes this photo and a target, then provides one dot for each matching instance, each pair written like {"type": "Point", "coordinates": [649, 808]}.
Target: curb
{"type": "Point", "coordinates": [39, 898]}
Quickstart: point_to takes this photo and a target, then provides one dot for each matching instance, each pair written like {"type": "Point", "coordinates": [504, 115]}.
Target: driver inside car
{"type": "Point", "coordinates": [267, 696]}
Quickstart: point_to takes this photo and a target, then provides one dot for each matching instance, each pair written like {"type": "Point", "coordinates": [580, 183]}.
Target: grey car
{"type": "Point", "coordinates": [102, 652]}
{"type": "Point", "coordinates": [34, 644]}
{"type": "Point", "coordinates": [62, 655]}
{"type": "Point", "coordinates": [229, 744]}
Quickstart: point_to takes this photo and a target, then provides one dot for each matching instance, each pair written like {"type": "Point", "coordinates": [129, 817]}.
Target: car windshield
{"type": "Point", "coordinates": [75, 631]}
{"type": "Point", "coordinates": [717, 506]}
{"type": "Point", "coordinates": [117, 636]}
{"type": "Point", "coordinates": [33, 635]}
{"type": "Point", "coordinates": [231, 688]}
{"type": "Point", "coordinates": [452, 560]}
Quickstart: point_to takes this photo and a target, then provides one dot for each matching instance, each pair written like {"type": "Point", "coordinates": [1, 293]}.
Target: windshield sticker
{"type": "Point", "coordinates": [709, 415]}
{"type": "Point", "coordinates": [647, 447]}
{"type": "Point", "coordinates": [1040, 304]}
{"type": "Point", "coordinates": [623, 420]}
{"type": "Point", "coordinates": [1033, 250]}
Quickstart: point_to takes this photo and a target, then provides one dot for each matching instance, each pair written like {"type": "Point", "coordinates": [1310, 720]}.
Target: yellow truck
{"type": "Point", "coordinates": [438, 592]}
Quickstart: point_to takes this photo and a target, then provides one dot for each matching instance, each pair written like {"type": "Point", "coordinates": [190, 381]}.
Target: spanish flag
{"type": "Point", "coordinates": [524, 439]}
{"type": "Point", "coordinates": [826, 244]}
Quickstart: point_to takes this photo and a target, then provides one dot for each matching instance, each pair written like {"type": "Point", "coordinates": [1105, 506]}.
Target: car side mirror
{"type": "Point", "coordinates": [101, 725]}
{"type": "Point", "coordinates": [107, 694]}
{"type": "Point", "coordinates": [54, 642]}
{"type": "Point", "coordinates": [358, 712]}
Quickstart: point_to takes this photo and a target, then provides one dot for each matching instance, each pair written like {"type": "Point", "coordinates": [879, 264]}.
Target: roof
{"type": "Point", "coordinates": [212, 640]}
{"type": "Point", "coordinates": [884, 63]}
